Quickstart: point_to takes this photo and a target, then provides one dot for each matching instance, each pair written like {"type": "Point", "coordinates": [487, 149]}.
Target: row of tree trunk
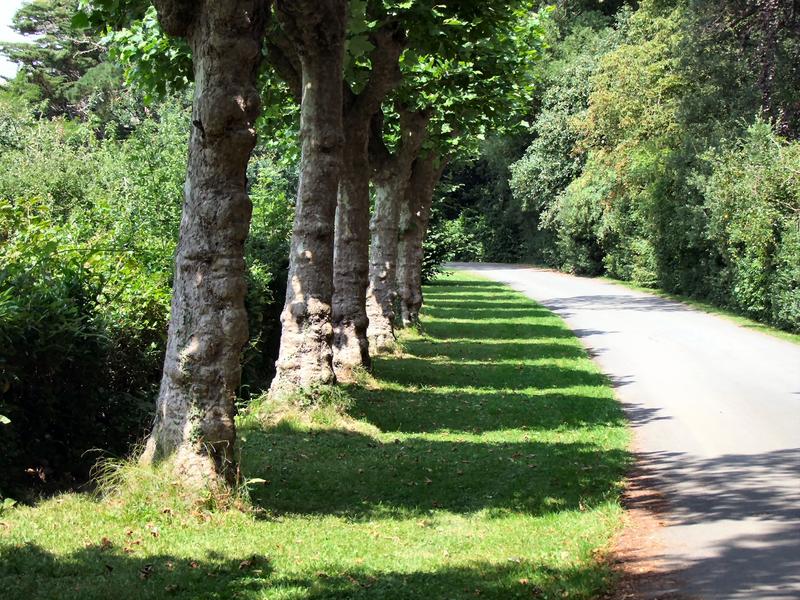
{"type": "Point", "coordinates": [347, 272]}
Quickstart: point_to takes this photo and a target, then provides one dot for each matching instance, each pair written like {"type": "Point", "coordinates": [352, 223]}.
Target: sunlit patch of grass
{"type": "Point", "coordinates": [484, 459]}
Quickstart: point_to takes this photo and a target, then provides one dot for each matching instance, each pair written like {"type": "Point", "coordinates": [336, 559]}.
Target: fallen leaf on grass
{"type": "Point", "coordinates": [145, 571]}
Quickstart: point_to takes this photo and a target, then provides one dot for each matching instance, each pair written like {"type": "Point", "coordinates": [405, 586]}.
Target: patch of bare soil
{"type": "Point", "coordinates": [638, 550]}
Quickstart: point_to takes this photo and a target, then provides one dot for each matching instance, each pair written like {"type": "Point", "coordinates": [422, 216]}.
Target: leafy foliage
{"type": "Point", "coordinates": [88, 227]}
{"type": "Point", "coordinates": [658, 159]}
{"type": "Point", "coordinates": [63, 70]}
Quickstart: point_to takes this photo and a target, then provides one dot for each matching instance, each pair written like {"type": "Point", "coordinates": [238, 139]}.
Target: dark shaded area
{"type": "Point", "coordinates": [494, 331]}
{"type": "Point", "coordinates": [342, 473]}
{"type": "Point", "coordinates": [734, 486]}
{"type": "Point", "coordinates": [446, 312]}
{"type": "Point", "coordinates": [31, 573]}
{"type": "Point", "coordinates": [511, 376]}
{"type": "Point", "coordinates": [480, 412]}
{"type": "Point", "coordinates": [486, 304]}
{"type": "Point", "coordinates": [732, 489]}
{"type": "Point", "coordinates": [477, 350]}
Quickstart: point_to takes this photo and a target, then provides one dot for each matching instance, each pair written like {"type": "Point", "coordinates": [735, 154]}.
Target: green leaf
{"type": "Point", "coordinates": [80, 20]}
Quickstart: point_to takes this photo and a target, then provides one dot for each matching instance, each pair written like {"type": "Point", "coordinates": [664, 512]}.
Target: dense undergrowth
{"type": "Point", "coordinates": [664, 152]}
{"type": "Point", "coordinates": [484, 459]}
{"type": "Point", "coordinates": [89, 223]}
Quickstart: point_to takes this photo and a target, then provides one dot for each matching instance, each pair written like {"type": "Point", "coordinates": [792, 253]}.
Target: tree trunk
{"type": "Point", "coordinates": [392, 174]}
{"type": "Point", "coordinates": [382, 290]}
{"type": "Point", "coordinates": [769, 23]}
{"type": "Point", "coordinates": [317, 29]}
{"type": "Point", "coordinates": [351, 258]}
{"type": "Point", "coordinates": [414, 218]}
{"type": "Point", "coordinates": [351, 244]}
{"type": "Point", "coordinates": [208, 326]}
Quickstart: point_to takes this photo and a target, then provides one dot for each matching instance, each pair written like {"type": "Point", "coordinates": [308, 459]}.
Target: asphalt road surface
{"type": "Point", "coordinates": [716, 411]}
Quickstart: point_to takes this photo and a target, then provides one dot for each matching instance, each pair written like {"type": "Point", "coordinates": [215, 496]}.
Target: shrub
{"type": "Point", "coordinates": [82, 335]}
{"type": "Point", "coordinates": [753, 202]}
{"type": "Point", "coordinates": [88, 230]}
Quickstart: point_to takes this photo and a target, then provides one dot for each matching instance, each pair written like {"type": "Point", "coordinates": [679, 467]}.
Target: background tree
{"type": "Point", "coordinates": [445, 106]}
{"type": "Point", "coordinates": [317, 30]}
{"type": "Point", "coordinates": [64, 72]}
{"type": "Point", "coordinates": [366, 87]}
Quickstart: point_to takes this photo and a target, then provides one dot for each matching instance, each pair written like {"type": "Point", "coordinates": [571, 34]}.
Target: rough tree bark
{"type": "Point", "coordinates": [208, 327]}
{"type": "Point", "coordinates": [414, 217]}
{"type": "Point", "coordinates": [351, 243]}
{"type": "Point", "coordinates": [317, 30]}
{"type": "Point", "coordinates": [391, 176]}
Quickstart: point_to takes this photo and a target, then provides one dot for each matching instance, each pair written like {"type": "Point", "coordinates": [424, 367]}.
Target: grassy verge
{"type": "Point", "coordinates": [711, 309]}
{"type": "Point", "coordinates": [483, 461]}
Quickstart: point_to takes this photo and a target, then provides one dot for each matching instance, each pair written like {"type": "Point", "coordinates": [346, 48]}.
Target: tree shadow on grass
{"type": "Point", "coordinates": [453, 390]}
{"type": "Point", "coordinates": [489, 462]}
{"type": "Point", "coordinates": [29, 572]}
{"type": "Point", "coordinates": [478, 350]}
{"type": "Point", "coordinates": [486, 304]}
{"type": "Point", "coordinates": [356, 476]}
{"type": "Point", "coordinates": [476, 412]}
{"type": "Point", "coordinates": [445, 312]}
{"type": "Point", "coordinates": [497, 376]}
{"type": "Point", "coordinates": [476, 331]}
{"type": "Point", "coordinates": [445, 284]}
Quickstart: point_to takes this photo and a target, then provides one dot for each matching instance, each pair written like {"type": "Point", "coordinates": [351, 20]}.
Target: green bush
{"type": "Point", "coordinates": [81, 338]}
{"type": "Point", "coordinates": [88, 230]}
{"type": "Point", "coordinates": [643, 166]}
{"type": "Point", "coordinates": [753, 202]}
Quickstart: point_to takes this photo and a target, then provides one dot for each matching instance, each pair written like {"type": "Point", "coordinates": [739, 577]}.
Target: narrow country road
{"type": "Point", "coordinates": [716, 411]}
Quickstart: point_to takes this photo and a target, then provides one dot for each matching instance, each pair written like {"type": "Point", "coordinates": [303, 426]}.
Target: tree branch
{"type": "Point", "coordinates": [282, 55]}
{"type": "Point", "coordinates": [176, 16]}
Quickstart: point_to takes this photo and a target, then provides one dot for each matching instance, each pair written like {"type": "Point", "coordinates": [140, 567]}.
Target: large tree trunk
{"type": "Point", "coordinates": [351, 244]}
{"type": "Point", "coordinates": [208, 327]}
{"type": "Point", "coordinates": [351, 259]}
{"type": "Point", "coordinates": [392, 174]}
{"type": "Point", "coordinates": [317, 29]}
{"type": "Point", "coordinates": [414, 217]}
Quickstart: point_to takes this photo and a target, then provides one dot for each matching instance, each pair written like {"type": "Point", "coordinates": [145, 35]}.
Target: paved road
{"type": "Point", "coordinates": [716, 410]}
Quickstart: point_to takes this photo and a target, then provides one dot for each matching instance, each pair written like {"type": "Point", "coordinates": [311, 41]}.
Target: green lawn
{"type": "Point", "coordinates": [484, 461]}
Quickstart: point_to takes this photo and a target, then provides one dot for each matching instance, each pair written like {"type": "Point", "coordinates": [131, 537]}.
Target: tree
{"type": "Point", "coordinates": [445, 105]}
{"type": "Point", "coordinates": [316, 30]}
{"type": "Point", "coordinates": [194, 423]}
{"type": "Point", "coordinates": [392, 175]}
{"type": "Point", "coordinates": [766, 33]}
{"type": "Point", "coordinates": [415, 215]}
{"type": "Point", "coordinates": [64, 65]}
{"type": "Point", "coordinates": [379, 31]}
{"type": "Point", "coordinates": [351, 266]}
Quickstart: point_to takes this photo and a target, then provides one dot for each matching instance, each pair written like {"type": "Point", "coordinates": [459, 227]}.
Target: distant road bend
{"type": "Point", "coordinates": [716, 411]}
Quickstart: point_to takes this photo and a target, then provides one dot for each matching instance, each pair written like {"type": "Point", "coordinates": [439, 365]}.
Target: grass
{"type": "Point", "coordinates": [740, 320]}
{"type": "Point", "coordinates": [483, 461]}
